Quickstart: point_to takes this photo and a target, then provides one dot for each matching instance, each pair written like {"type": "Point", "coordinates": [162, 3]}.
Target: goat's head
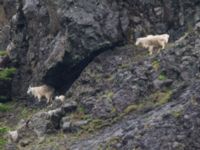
{"type": "Point", "coordinates": [138, 42]}
{"type": "Point", "coordinates": [29, 90]}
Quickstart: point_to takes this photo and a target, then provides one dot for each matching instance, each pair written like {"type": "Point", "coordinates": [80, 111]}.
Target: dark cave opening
{"type": "Point", "coordinates": [62, 76]}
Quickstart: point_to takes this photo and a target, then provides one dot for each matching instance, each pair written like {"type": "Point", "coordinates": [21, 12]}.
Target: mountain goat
{"type": "Point", "coordinates": [41, 91]}
{"type": "Point", "coordinates": [153, 41]}
{"type": "Point", "coordinates": [61, 98]}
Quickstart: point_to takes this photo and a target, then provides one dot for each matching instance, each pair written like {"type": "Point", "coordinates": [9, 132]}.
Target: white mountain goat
{"type": "Point", "coordinates": [13, 135]}
{"type": "Point", "coordinates": [153, 41]}
{"type": "Point", "coordinates": [61, 98]}
{"type": "Point", "coordinates": [41, 91]}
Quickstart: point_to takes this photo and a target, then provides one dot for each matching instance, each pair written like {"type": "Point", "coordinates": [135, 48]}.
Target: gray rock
{"type": "Point", "coordinates": [69, 107]}
{"type": "Point", "coordinates": [66, 127]}
{"type": "Point", "coordinates": [42, 124]}
{"type": "Point", "coordinates": [160, 84]}
{"type": "Point", "coordinates": [80, 123]}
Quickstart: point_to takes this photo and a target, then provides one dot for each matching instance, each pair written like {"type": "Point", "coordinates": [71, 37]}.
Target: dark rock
{"type": "Point", "coordinates": [24, 143]}
{"type": "Point", "coordinates": [73, 126]}
{"type": "Point", "coordinates": [56, 116]}
{"type": "Point", "coordinates": [5, 92]}
{"type": "Point", "coordinates": [53, 41]}
{"type": "Point", "coordinates": [69, 107]}
{"type": "Point", "coordinates": [70, 34]}
{"type": "Point", "coordinates": [160, 84]}
{"type": "Point", "coordinates": [66, 127]}
{"type": "Point", "coordinates": [78, 124]}
{"type": "Point", "coordinates": [103, 109]}
{"type": "Point", "coordinates": [11, 146]}
{"type": "Point", "coordinates": [65, 119]}
{"type": "Point", "coordinates": [42, 124]}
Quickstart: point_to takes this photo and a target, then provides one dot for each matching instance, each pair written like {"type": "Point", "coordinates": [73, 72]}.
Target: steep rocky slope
{"type": "Point", "coordinates": [117, 97]}
{"type": "Point", "coordinates": [129, 100]}
{"type": "Point", "coordinates": [53, 41]}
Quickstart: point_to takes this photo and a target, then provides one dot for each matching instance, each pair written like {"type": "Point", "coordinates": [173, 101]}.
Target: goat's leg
{"type": "Point", "coordinates": [150, 50]}
{"type": "Point", "coordinates": [163, 45]}
{"type": "Point", "coordinates": [48, 97]}
{"type": "Point", "coordinates": [39, 98]}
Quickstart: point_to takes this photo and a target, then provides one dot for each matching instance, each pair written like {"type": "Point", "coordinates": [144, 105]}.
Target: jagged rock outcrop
{"type": "Point", "coordinates": [173, 126]}
{"type": "Point", "coordinates": [133, 111]}
{"type": "Point", "coordinates": [55, 40]}
{"type": "Point", "coordinates": [137, 101]}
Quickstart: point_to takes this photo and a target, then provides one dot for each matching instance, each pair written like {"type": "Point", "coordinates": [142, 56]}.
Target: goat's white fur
{"type": "Point", "coordinates": [41, 91]}
{"type": "Point", "coordinates": [60, 97]}
{"type": "Point", "coordinates": [152, 41]}
{"type": "Point", "coordinates": [13, 135]}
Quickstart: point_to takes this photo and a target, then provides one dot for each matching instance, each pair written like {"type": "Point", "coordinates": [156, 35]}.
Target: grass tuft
{"type": "Point", "coordinates": [4, 107]}
{"type": "Point", "coordinates": [3, 53]}
{"type": "Point", "coordinates": [162, 77]}
{"type": "Point", "coordinates": [3, 141]}
{"type": "Point", "coordinates": [7, 73]}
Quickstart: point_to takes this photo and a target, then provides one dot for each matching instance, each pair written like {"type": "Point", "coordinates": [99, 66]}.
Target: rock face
{"type": "Point", "coordinates": [137, 101]}
{"type": "Point", "coordinates": [166, 128]}
{"type": "Point", "coordinates": [53, 41]}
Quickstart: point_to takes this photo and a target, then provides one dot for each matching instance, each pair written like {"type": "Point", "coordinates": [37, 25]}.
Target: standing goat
{"type": "Point", "coordinates": [152, 41]}
{"type": "Point", "coordinates": [41, 91]}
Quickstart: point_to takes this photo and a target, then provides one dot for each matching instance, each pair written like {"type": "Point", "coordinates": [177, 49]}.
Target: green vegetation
{"type": "Point", "coordinates": [4, 107]}
{"type": "Point", "coordinates": [7, 73]}
{"type": "Point", "coordinates": [80, 114]}
{"type": "Point", "coordinates": [155, 65]}
{"type": "Point", "coordinates": [162, 77]}
{"type": "Point", "coordinates": [3, 130]}
{"type": "Point", "coordinates": [108, 95]}
{"type": "Point", "coordinates": [3, 53]}
{"type": "Point", "coordinates": [124, 66]}
{"type": "Point", "coordinates": [177, 113]}
{"type": "Point", "coordinates": [3, 141]}
{"type": "Point", "coordinates": [111, 142]}
{"type": "Point", "coordinates": [132, 108]}
{"type": "Point", "coordinates": [156, 99]}
{"type": "Point", "coordinates": [159, 98]}
{"type": "Point", "coordinates": [95, 124]}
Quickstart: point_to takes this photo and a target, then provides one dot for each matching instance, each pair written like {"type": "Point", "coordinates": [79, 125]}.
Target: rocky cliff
{"type": "Point", "coordinates": [117, 97]}
{"type": "Point", "coordinates": [55, 40]}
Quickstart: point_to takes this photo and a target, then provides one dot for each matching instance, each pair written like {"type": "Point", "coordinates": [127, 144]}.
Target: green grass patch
{"type": "Point", "coordinates": [3, 141]}
{"type": "Point", "coordinates": [3, 130]}
{"type": "Point", "coordinates": [124, 66]}
{"type": "Point", "coordinates": [80, 114]}
{"type": "Point", "coordinates": [155, 65]}
{"type": "Point", "coordinates": [108, 95]}
{"type": "Point", "coordinates": [176, 113]}
{"type": "Point", "coordinates": [156, 99]}
{"type": "Point", "coordinates": [3, 53]}
{"type": "Point", "coordinates": [131, 108]}
{"type": "Point", "coordinates": [7, 73]}
{"type": "Point", "coordinates": [162, 77]}
{"type": "Point", "coordinates": [111, 142]}
{"type": "Point", "coordinates": [4, 107]}
{"type": "Point", "coordinates": [95, 124]}
{"type": "Point", "coordinates": [159, 98]}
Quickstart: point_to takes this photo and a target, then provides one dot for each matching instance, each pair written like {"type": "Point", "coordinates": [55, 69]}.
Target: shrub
{"type": "Point", "coordinates": [3, 53]}
{"type": "Point", "coordinates": [4, 107]}
{"type": "Point", "coordinates": [7, 73]}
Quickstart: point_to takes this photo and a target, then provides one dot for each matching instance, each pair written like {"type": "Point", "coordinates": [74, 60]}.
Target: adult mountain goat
{"type": "Point", "coordinates": [153, 41]}
{"type": "Point", "coordinates": [41, 91]}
